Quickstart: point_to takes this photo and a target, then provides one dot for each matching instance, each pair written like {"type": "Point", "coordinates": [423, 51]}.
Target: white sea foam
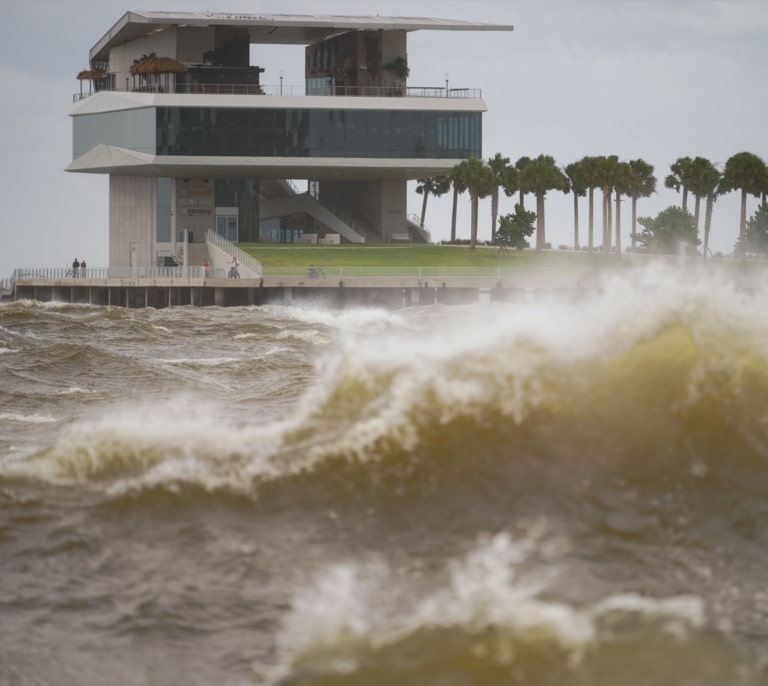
{"type": "Point", "coordinates": [181, 440]}
{"type": "Point", "coordinates": [357, 603]}
{"type": "Point", "coordinates": [11, 332]}
{"type": "Point", "coordinates": [198, 361]}
{"type": "Point", "coordinates": [312, 336]}
{"type": "Point", "coordinates": [359, 320]}
{"type": "Point", "coordinates": [75, 390]}
{"type": "Point", "coordinates": [27, 418]}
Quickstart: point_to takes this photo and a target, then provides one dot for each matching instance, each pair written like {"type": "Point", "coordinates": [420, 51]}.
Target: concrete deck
{"type": "Point", "coordinates": [335, 290]}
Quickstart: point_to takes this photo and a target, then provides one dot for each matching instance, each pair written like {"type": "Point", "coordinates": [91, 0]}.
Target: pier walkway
{"type": "Point", "coordinates": [167, 287]}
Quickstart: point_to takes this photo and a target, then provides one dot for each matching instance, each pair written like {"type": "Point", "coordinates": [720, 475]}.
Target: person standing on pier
{"type": "Point", "coordinates": [233, 271]}
{"type": "Point", "coordinates": [82, 269]}
{"type": "Point", "coordinates": [75, 268]}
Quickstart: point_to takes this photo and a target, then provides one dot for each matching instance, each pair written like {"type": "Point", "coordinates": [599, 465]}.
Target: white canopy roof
{"type": "Point", "coordinates": [277, 29]}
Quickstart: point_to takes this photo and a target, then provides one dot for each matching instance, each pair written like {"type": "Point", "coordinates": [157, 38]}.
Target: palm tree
{"type": "Point", "coordinates": [606, 168]}
{"type": "Point", "coordinates": [744, 171]}
{"type": "Point", "coordinates": [477, 178]}
{"type": "Point", "coordinates": [641, 184]}
{"type": "Point", "coordinates": [765, 185]}
{"type": "Point", "coordinates": [577, 177]}
{"type": "Point", "coordinates": [590, 167]}
{"type": "Point", "coordinates": [703, 183]}
{"type": "Point", "coordinates": [680, 177]}
{"type": "Point", "coordinates": [621, 183]}
{"type": "Point", "coordinates": [504, 176]}
{"type": "Point", "coordinates": [541, 175]}
{"type": "Point", "coordinates": [458, 188]}
{"type": "Point", "coordinates": [521, 164]}
{"type": "Point", "coordinates": [435, 185]}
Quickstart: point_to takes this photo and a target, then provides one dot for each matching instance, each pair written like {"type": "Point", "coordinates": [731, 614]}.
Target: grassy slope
{"type": "Point", "coordinates": [289, 259]}
{"type": "Point", "coordinates": [329, 256]}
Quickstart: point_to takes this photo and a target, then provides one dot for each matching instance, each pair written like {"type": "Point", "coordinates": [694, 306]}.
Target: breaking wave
{"type": "Point", "coordinates": [652, 380]}
{"type": "Point", "coordinates": [357, 623]}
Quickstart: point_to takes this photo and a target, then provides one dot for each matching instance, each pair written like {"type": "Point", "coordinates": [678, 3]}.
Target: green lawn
{"type": "Point", "coordinates": [345, 255]}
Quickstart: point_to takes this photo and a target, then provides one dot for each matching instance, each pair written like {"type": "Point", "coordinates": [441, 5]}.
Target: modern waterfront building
{"type": "Point", "coordinates": [193, 141]}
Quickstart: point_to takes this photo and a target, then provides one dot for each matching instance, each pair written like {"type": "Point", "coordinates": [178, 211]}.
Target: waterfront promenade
{"type": "Point", "coordinates": [340, 287]}
{"type": "Point", "coordinates": [347, 286]}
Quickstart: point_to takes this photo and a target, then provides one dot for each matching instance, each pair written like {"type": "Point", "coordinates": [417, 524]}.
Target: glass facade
{"type": "Point", "coordinates": [130, 129]}
{"type": "Point", "coordinates": [164, 207]}
{"type": "Point", "coordinates": [318, 133]}
{"type": "Point", "coordinates": [242, 193]}
{"type": "Point", "coordinates": [233, 132]}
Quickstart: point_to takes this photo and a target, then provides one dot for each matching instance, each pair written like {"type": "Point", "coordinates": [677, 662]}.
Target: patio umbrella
{"type": "Point", "coordinates": [158, 65]}
{"type": "Point", "coordinates": [152, 66]}
{"type": "Point", "coordinates": [90, 75]}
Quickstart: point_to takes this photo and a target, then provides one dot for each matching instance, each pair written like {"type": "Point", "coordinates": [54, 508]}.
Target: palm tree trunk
{"type": "Point", "coordinates": [685, 199]}
{"type": "Point", "coordinates": [696, 209]}
{"type": "Point", "coordinates": [609, 208]}
{"type": "Point", "coordinates": [575, 220]}
{"type": "Point", "coordinates": [591, 236]}
{"type": "Point", "coordinates": [453, 214]}
{"type": "Point", "coordinates": [473, 235]}
{"type": "Point", "coordinates": [540, 238]}
{"type": "Point", "coordinates": [522, 199]}
{"type": "Point", "coordinates": [743, 220]}
{"type": "Point", "coordinates": [494, 212]}
{"type": "Point", "coordinates": [634, 220]}
{"type": "Point", "coordinates": [708, 222]}
{"type": "Point", "coordinates": [606, 225]}
{"type": "Point", "coordinates": [424, 208]}
{"type": "Point", "coordinates": [618, 223]}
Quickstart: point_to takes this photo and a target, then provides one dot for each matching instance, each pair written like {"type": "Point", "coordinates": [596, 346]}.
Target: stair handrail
{"type": "Point", "coordinates": [425, 233]}
{"type": "Point", "coordinates": [246, 260]}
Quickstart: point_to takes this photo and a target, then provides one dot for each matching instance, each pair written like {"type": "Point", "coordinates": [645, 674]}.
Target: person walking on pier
{"type": "Point", "coordinates": [75, 268]}
{"type": "Point", "coordinates": [82, 269]}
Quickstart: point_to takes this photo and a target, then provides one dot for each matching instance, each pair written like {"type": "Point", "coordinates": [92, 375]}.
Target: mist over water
{"type": "Point", "coordinates": [540, 492]}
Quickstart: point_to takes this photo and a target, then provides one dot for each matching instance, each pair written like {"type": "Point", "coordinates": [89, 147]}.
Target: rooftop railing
{"type": "Point", "coordinates": [294, 91]}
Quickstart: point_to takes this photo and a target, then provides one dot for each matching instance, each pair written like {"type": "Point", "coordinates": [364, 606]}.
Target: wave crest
{"type": "Point", "coordinates": [489, 625]}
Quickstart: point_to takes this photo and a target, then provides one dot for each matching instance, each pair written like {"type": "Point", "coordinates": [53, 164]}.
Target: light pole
{"type": "Point", "coordinates": [446, 85]}
{"type": "Point", "coordinates": [281, 82]}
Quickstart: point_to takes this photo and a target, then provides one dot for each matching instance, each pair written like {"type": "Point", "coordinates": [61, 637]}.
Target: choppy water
{"type": "Point", "coordinates": [530, 494]}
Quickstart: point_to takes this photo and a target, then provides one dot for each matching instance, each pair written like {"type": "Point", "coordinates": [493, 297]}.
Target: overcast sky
{"type": "Point", "coordinates": [634, 78]}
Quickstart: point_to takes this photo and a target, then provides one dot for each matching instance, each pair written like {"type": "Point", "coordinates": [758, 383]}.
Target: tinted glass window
{"type": "Point", "coordinates": [318, 133]}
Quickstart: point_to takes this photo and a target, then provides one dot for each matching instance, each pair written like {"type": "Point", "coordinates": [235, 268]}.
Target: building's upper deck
{"type": "Point", "coordinates": [209, 53]}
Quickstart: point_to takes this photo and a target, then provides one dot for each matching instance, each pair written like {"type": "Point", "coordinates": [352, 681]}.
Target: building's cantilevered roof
{"type": "Point", "coordinates": [277, 29]}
